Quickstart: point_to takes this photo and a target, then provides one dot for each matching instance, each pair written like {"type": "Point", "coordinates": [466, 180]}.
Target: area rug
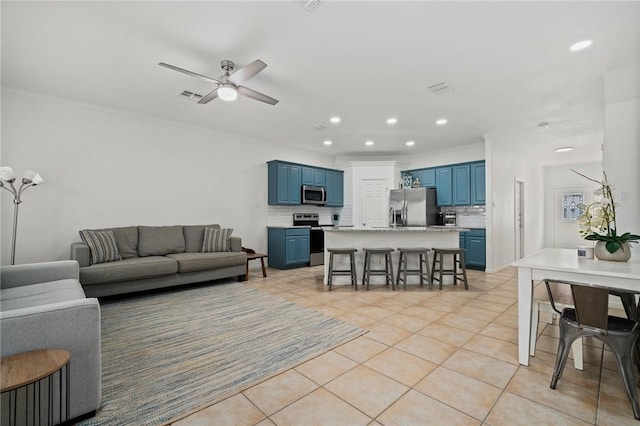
{"type": "Point", "coordinates": [169, 354]}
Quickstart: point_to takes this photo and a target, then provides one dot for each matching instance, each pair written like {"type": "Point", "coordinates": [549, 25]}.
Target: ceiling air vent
{"type": "Point", "coordinates": [319, 127]}
{"type": "Point", "coordinates": [310, 5]}
{"type": "Point", "coordinates": [191, 95]}
{"type": "Point", "coordinates": [440, 88]}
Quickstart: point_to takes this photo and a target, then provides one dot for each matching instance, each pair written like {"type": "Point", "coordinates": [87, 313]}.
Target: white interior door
{"type": "Point", "coordinates": [518, 218]}
{"type": "Point", "coordinates": [374, 203]}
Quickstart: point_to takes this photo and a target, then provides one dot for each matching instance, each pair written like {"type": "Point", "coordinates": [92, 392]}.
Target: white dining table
{"type": "Point", "coordinates": [564, 264]}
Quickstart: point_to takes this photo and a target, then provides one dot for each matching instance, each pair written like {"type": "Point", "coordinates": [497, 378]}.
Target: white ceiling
{"type": "Point", "coordinates": [508, 63]}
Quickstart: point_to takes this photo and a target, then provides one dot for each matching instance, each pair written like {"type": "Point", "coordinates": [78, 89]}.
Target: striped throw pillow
{"type": "Point", "coordinates": [216, 239]}
{"type": "Point", "coordinates": [102, 245]}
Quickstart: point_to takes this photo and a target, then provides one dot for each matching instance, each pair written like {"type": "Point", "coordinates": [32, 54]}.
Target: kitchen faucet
{"type": "Point", "coordinates": [392, 212]}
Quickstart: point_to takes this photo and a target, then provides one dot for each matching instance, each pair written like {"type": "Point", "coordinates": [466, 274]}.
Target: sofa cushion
{"type": "Point", "coordinates": [127, 240]}
{"type": "Point", "coordinates": [102, 245]}
{"type": "Point", "coordinates": [128, 269]}
{"type": "Point", "coordinates": [39, 294]}
{"type": "Point", "coordinates": [194, 235]}
{"type": "Point", "coordinates": [191, 262]}
{"type": "Point", "coordinates": [216, 240]}
{"type": "Point", "coordinates": [160, 240]}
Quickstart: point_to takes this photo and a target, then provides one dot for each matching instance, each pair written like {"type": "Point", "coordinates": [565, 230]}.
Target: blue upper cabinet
{"type": "Point", "coordinates": [478, 183]}
{"type": "Point", "coordinates": [285, 182]}
{"type": "Point", "coordinates": [427, 177]}
{"type": "Point", "coordinates": [460, 184]}
{"type": "Point", "coordinates": [461, 189]}
{"type": "Point", "coordinates": [335, 188]}
{"type": "Point", "coordinates": [444, 186]}
{"type": "Point", "coordinates": [314, 176]}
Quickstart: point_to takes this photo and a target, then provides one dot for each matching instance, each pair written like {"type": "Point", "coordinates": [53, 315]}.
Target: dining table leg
{"type": "Point", "coordinates": [525, 298]}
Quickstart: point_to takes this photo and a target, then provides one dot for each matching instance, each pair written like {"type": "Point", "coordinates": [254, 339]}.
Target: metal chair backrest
{"type": "Point", "coordinates": [592, 306]}
{"type": "Point", "coordinates": [591, 303]}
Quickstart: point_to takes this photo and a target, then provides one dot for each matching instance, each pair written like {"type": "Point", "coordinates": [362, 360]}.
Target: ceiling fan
{"type": "Point", "coordinates": [228, 85]}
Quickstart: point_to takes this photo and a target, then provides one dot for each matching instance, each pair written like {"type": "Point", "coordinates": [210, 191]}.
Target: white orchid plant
{"type": "Point", "coordinates": [598, 219]}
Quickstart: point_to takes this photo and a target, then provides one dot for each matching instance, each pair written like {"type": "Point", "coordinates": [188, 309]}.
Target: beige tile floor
{"type": "Point", "coordinates": [430, 357]}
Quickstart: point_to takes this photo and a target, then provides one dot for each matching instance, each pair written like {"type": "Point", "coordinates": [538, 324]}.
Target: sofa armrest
{"type": "Point", "coordinates": [72, 325]}
{"type": "Point", "coordinates": [33, 273]}
{"type": "Point", "coordinates": [80, 252]}
{"type": "Point", "coordinates": [236, 243]}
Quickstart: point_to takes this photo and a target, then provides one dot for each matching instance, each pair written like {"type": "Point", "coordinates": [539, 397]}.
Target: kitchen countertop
{"type": "Point", "coordinates": [400, 229]}
{"type": "Point", "coordinates": [288, 226]}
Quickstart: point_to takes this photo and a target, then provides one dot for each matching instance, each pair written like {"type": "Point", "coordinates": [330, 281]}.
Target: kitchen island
{"type": "Point", "coordinates": [393, 237]}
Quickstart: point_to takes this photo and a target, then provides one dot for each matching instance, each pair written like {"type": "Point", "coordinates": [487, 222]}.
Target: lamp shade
{"type": "Point", "coordinates": [227, 92]}
{"type": "Point", "coordinates": [7, 174]}
{"type": "Point", "coordinates": [37, 179]}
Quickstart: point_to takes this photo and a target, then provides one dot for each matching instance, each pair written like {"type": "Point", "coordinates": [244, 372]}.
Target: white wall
{"type": "Point", "coordinates": [504, 164]}
{"type": "Point", "coordinates": [458, 154]}
{"type": "Point", "coordinates": [559, 180]}
{"type": "Point", "coordinates": [106, 168]}
{"type": "Point", "coordinates": [621, 155]}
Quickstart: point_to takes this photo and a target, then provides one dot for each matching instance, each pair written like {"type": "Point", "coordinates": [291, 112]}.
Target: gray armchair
{"type": "Point", "coordinates": [42, 305]}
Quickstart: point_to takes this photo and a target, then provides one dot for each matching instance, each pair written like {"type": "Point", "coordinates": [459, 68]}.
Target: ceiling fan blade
{"type": "Point", "coordinates": [191, 73]}
{"type": "Point", "coordinates": [250, 93]}
{"type": "Point", "coordinates": [209, 96]}
{"type": "Point", "coordinates": [246, 72]}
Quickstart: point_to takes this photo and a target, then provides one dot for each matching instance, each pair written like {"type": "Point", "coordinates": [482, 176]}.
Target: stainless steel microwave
{"type": "Point", "coordinates": [314, 195]}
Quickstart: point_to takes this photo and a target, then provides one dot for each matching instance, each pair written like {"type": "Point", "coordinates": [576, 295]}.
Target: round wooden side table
{"type": "Point", "coordinates": [23, 376]}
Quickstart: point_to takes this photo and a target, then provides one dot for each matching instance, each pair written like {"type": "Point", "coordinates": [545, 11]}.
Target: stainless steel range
{"type": "Point", "coordinates": [316, 236]}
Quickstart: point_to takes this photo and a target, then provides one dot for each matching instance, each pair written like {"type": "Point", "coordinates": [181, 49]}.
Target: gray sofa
{"type": "Point", "coordinates": [42, 305]}
{"type": "Point", "coordinates": [158, 256]}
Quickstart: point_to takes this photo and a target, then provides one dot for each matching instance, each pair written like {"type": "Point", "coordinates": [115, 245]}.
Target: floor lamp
{"type": "Point", "coordinates": [7, 179]}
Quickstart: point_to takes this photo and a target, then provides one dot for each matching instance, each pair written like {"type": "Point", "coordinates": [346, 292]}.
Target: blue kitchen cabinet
{"type": "Point", "coordinates": [444, 186]}
{"type": "Point", "coordinates": [288, 247]}
{"type": "Point", "coordinates": [314, 176]}
{"type": "Point", "coordinates": [335, 188]}
{"type": "Point", "coordinates": [427, 177]}
{"type": "Point", "coordinates": [284, 183]}
{"type": "Point", "coordinates": [461, 185]}
{"type": "Point", "coordinates": [475, 247]}
{"type": "Point", "coordinates": [478, 183]}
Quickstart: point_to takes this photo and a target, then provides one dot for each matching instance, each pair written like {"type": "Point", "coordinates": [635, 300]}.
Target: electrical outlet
{"type": "Point", "coordinates": [624, 195]}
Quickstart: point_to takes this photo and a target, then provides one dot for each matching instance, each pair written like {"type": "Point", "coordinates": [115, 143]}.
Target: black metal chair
{"type": "Point", "coordinates": [590, 317]}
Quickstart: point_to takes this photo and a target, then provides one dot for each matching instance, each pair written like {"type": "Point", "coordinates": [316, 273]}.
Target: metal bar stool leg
{"type": "Point", "coordinates": [330, 280]}
{"type": "Point", "coordinates": [389, 267]}
{"type": "Point", "coordinates": [354, 277]}
{"type": "Point", "coordinates": [399, 268]}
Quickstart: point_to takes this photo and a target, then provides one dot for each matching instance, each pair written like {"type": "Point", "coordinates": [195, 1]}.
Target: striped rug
{"type": "Point", "coordinates": [169, 354]}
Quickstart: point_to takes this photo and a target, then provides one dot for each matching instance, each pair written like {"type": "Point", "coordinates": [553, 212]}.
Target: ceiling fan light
{"type": "Point", "coordinates": [227, 92]}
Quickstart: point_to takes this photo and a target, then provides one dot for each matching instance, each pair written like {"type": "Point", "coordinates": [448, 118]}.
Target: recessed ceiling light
{"type": "Point", "coordinates": [410, 143]}
{"type": "Point", "coordinates": [392, 120]}
{"type": "Point", "coordinates": [580, 45]}
{"type": "Point", "coordinates": [368, 143]}
{"type": "Point", "coordinates": [335, 120]}
{"type": "Point", "coordinates": [441, 121]}
{"type": "Point", "coordinates": [564, 149]}
{"type": "Point", "coordinates": [327, 142]}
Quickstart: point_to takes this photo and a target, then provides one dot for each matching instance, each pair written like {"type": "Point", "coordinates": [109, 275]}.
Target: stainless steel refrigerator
{"type": "Point", "coordinates": [413, 207]}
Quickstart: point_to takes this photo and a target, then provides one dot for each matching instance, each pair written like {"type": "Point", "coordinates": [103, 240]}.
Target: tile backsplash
{"type": "Point", "coordinates": [469, 216]}
{"type": "Point", "coordinates": [283, 215]}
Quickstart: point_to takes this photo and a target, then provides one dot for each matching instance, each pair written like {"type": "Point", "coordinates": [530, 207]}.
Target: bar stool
{"type": "Point", "coordinates": [458, 261]}
{"type": "Point", "coordinates": [388, 266]}
{"type": "Point", "coordinates": [352, 266]}
{"type": "Point", "coordinates": [423, 261]}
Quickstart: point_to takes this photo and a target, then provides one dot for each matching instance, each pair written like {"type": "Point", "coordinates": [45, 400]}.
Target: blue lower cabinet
{"type": "Point", "coordinates": [475, 247]}
{"type": "Point", "coordinates": [288, 247]}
